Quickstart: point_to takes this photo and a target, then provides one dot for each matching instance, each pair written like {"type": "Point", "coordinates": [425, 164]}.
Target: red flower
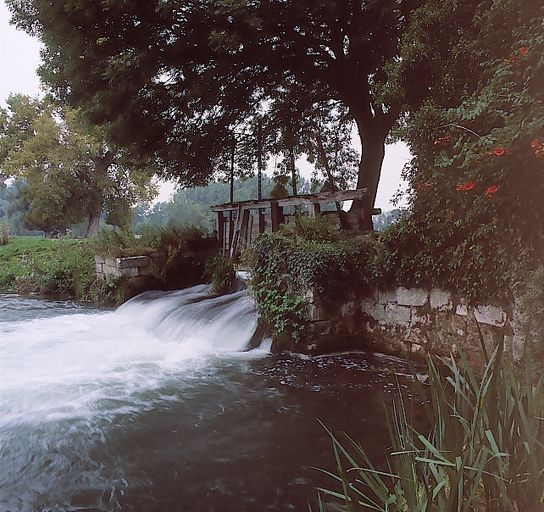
{"type": "Point", "coordinates": [523, 51]}
{"type": "Point", "coordinates": [536, 144]}
{"type": "Point", "coordinates": [498, 151]}
{"type": "Point", "coordinates": [491, 191]}
{"type": "Point", "coordinates": [465, 187]}
{"type": "Point", "coordinates": [539, 153]}
{"type": "Point", "coordinates": [442, 140]}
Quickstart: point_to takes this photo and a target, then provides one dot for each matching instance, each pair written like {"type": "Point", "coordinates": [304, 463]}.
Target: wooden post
{"type": "Point", "coordinates": [314, 210]}
{"type": "Point", "coordinates": [231, 195]}
{"type": "Point", "coordinates": [221, 230]}
{"type": "Point", "coordinates": [276, 214]}
{"type": "Point", "coordinates": [260, 168]}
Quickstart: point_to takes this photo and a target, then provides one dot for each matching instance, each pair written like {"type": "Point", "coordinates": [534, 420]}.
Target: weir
{"type": "Point", "coordinates": [163, 403]}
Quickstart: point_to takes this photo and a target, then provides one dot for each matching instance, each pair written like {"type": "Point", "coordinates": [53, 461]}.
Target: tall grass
{"type": "Point", "coordinates": [484, 449]}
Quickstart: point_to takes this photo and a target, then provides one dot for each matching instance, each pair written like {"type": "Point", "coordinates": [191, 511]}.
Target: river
{"type": "Point", "coordinates": [160, 406]}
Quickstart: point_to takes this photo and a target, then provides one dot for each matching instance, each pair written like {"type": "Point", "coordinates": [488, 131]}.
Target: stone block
{"type": "Point", "coordinates": [99, 259]}
{"type": "Point", "coordinates": [461, 310]}
{"type": "Point", "coordinates": [99, 268]}
{"type": "Point", "coordinates": [440, 299]}
{"type": "Point", "coordinates": [397, 315]}
{"type": "Point", "coordinates": [110, 262]}
{"type": "Point", "coordinates": [411, 296]}
{"type": "Point", "coordinates": [133, 261]}
{"type": "Point", "coordinates": [127, 273]}
{"type": "Point", "coordinates": [110, 270]}
{"type": "Point", "coordinates": [490, 315]}
{"type": "Point", "coordinates": [316, 313]}
{"type": "Point", "coordinates": [372, 309]}
{"type": "Point", "coordinates": [387, 296]}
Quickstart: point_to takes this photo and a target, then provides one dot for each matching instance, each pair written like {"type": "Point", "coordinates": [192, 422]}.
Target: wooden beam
{"type": "Point", "coordinates": [323, 197]}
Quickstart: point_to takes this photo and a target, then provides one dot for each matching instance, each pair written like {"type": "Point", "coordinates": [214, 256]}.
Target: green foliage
{"type": "Point", "coordinates": [59, 268]}
{"type": "Point", "coordinates": [115, 242]}
{"type": "Point", "coordinates": [477, 188]}
{"type": "Point", "coordinates": [70, 173]}
{"type": "Point", "coordinates": [202, 68]}
{"type": "Point", "coordinates": [219, 271]}
{"type": "Point", "coordinates": [308, 254]}
{"type": "Point", "coordinates": [483, 452]}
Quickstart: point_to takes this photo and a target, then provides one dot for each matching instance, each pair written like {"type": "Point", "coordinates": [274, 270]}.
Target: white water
{"type": "Point", "coordinates": [84, 365]}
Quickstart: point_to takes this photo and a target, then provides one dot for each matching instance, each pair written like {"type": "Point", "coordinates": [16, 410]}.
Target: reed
{"type": "Point", "coordinates": [484, 451]}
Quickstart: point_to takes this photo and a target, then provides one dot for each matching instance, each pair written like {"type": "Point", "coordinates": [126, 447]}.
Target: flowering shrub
{"type": "Point", "coordinates": [479, 141]}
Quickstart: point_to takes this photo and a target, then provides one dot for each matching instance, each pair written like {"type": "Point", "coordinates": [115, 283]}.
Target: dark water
{"type": "Point", "coordinates": [155, 407]}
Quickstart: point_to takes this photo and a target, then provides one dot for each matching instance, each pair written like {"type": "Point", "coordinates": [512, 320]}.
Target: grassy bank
{"type": "Point", "coordinates": [55, 268]}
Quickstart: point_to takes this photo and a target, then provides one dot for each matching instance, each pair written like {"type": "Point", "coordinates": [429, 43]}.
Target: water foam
{"type": "Point", "coordinates": [81, 365]}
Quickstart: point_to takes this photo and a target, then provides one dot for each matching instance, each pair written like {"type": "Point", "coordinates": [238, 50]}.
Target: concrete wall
{"type": "Point", "coordinates": [414, 321]}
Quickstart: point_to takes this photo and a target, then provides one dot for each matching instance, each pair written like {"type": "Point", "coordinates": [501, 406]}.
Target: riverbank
{"type": "Point", "coordinates": [61, 268]}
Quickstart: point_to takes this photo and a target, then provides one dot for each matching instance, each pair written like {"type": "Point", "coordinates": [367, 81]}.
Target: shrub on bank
{"type": "Point", "coordinates": [59, 268]}
{"type": "Point", "coordinates": [220, 273]}
{"type": "Point", "coordinates": [309, 254]}
{"type": "Point", "coordinates": [118, 243]}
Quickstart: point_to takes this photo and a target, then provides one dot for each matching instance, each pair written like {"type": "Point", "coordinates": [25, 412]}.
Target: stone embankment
{"type": "Point", "coordinates": [414, 321]}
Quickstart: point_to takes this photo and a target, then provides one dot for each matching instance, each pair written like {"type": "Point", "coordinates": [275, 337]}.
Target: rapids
{"type": "Point", "coordinates": [161, 405]}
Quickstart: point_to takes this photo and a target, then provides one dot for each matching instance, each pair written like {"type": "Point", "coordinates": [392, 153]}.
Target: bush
{"type": "Point", "coordinates": [220, 272]}
{"type": "Point", "coordinates": [118, 243]}
{"type": "Point", "coordinates": [483, 452]}
{"type": "Point", "coordinates": [307, 255]}
{"type": "Point", "coordinates": [59, 268]}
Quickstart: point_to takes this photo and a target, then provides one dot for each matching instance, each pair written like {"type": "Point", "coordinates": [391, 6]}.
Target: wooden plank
{"type": "Point", "coordinates": [236, 232]}
{"type": "Point", "coordinates": [324, 197]}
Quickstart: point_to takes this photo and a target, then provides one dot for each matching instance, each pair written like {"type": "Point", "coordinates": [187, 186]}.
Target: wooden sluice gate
{"type": "Point", "coordinates": [239, 223]}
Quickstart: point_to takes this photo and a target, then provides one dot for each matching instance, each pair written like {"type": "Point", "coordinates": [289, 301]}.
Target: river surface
{"type": "Point", "coordinates": [161, 406]}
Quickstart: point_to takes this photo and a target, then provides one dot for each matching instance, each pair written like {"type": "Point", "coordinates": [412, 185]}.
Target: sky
{"type": "Point", "coordinates": [20, 58]}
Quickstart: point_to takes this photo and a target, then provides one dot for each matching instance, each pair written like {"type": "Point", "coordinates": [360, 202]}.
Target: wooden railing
{"type": "Point", "coordinates": [236, 221]}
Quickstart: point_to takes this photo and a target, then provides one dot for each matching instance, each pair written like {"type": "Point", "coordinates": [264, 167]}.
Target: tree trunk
{"type": "Point", "coordinates": [325, 163]}
{"type": "Point", "coordinates": [93, 224]}
{"type": "Point", "coordinates": [373, 135]}
{"type": "Point", "coordinates": [96, 202]}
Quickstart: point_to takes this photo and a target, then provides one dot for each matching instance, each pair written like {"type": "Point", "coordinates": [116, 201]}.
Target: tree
{"type": "Point", "coordinates": [70, 173]}
{"type": "Point", "coordinates": [174, 79]}
{"type": "Point", "coordinates": [476, 212]}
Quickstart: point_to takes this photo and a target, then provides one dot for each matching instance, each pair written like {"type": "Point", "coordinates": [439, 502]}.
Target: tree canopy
{"type": "Point", "coordinates": [174, 80]}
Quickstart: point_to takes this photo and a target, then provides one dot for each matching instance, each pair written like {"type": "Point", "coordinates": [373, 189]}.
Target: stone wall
{"type": "Point", "coordinates": [157, 271]}
{"type": "Point", "coordinates": [413, 321]}
{"type": "Point", "coordinates": [129, 267]}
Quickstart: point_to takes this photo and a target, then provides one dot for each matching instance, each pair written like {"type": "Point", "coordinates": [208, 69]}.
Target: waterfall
{"type": "Point", "coordinates": [70, 365]}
